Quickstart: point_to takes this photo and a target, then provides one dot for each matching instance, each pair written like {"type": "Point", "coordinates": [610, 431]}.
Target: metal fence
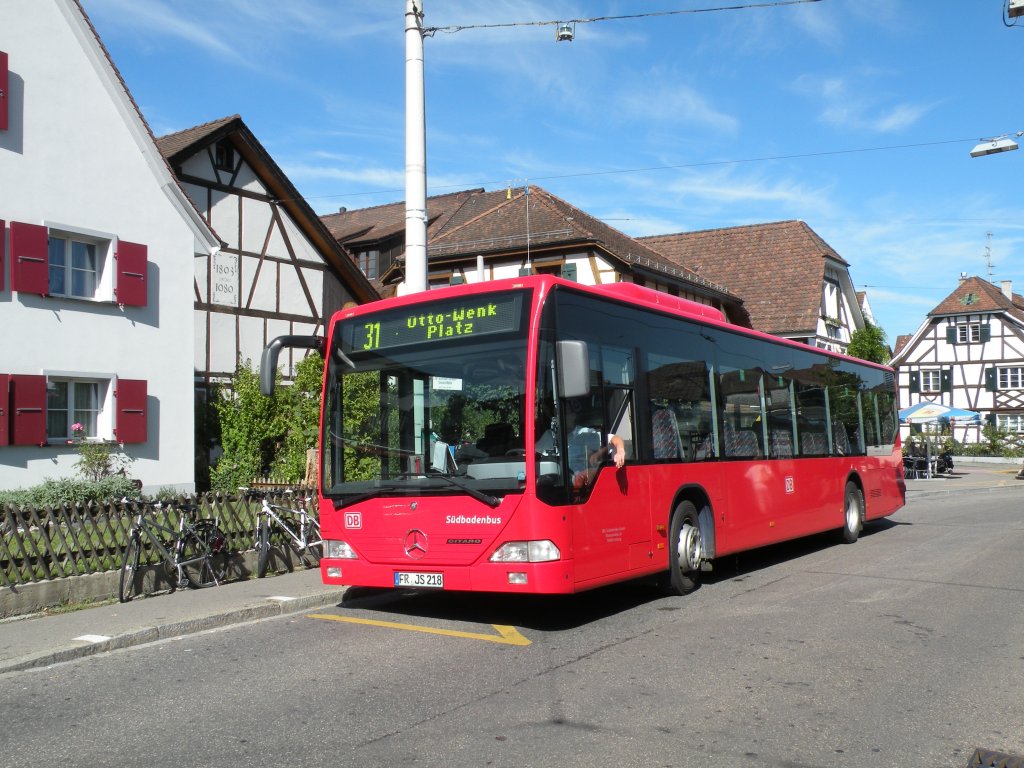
{"type": "Point", "coordinates": [53, 543]}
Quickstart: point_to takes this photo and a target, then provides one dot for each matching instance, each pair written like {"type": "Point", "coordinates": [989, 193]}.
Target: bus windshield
{"type": "Point", "coordinates": [423, 401]}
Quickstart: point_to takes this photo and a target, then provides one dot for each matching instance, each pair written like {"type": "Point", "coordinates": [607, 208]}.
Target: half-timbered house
{"type": "Point", "coordinates": [279, 272]}
{"type": "Point", "coordinates": [95, 236]}
{"type": "Point", "coordinates": [968, 353]}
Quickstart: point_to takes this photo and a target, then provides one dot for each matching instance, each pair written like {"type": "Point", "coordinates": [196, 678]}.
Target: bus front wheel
{"type": "Point", "coordinates": [853, 512]}
{"type": "Point", "coordinates": [686, 551]}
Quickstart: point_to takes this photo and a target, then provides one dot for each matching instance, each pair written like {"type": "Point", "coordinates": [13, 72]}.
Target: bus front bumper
{"type": "Point", "coordinates": [529, 578]}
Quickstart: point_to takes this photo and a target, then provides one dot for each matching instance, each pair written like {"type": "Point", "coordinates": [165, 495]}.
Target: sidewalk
{"type": "Point", "coordinates": [41, 640]}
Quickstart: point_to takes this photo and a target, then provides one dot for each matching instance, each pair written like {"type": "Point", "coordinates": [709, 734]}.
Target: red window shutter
{"type": "Point", "coordinates": [28, 409]}
{"type": "Point", "coordinates": [130, 407]}
{"type": "Point", "coordinates": [130, 287]}
{"type": "Point", "coordinates": [30, 264]}
{"type": "Point", "coordinates": [5, 409]}
{"type": "Point", "coordinates": [4, 98]}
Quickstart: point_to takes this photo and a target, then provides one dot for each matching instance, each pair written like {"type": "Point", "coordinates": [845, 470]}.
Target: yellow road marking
{"type": "Point", "coordinates": [506, 635]}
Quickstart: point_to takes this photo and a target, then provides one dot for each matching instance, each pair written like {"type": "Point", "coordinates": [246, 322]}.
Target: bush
{"type": "Point", "coordinates": [61, 491]}
{"type": "Point", "coordinates": [262, 436]}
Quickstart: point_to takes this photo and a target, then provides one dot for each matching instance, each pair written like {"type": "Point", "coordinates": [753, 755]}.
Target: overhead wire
{"type": "Point", "coordinates": [429, 31]}
{"type": "Point", "coordinates": [675, 166]}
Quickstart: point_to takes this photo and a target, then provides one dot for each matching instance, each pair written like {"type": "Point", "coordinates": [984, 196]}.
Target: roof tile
{"type": "Point", "coordinates": [777, 268]}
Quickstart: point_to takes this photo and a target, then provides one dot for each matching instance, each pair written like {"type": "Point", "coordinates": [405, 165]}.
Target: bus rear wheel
{"type": "Point", "coordinates": [686, 551]}
{"type": "Point", "coordinates": [853, 512]}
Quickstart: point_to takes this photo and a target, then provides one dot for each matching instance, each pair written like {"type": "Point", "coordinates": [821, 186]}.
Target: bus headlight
{"type": "Point", "coordinates": [526, 552]}
{"type": "Point", "coordinates": [339, 550]}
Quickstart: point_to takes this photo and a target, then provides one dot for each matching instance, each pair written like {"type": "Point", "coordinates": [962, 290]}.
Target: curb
{"type": "Point", "coordinates": [267, 610]}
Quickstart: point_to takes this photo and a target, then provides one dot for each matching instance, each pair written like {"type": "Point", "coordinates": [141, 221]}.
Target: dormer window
{"type": "Point", "coordinates": [224, 156]}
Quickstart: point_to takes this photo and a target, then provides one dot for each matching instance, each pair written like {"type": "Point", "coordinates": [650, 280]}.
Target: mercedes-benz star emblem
{"type": "Point", "coordinates": [415, 544]}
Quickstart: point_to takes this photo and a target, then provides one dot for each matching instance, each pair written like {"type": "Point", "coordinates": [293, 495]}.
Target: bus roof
{"type": "Point", "coordinates": [629, 293]}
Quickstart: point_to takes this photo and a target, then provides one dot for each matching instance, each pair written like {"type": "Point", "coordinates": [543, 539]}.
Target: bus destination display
{"type": "Point", "coordinates": [436, 321]}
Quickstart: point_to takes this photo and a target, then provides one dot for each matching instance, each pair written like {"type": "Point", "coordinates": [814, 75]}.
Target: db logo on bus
{"type": "Point", "coordinates": [353, 519]}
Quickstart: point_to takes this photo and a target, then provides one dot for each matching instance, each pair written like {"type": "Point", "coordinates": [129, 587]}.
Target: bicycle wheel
{"type": "Point", "coordinates": [206, 545]}
{"type": "Point", "coordinates": [128, 586]}
{"type": "Point", "coordinates": [263, 548]}
{"type": "Point", "coordinates": [313, 550]}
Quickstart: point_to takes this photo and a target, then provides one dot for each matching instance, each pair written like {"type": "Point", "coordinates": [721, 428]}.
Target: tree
{"type": "Point", "coordinates": [868, 343]}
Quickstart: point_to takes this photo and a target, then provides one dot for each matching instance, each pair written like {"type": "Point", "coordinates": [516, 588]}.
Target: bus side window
{"type": "Point", "coordinates": [782, 443]}
{"type": "Point", "coordinates": [741, 442]}
{"type": "Point", "coordinates": [679, 410]}
{"type": "Point", "coordinates": [620, 418]}
{"type": "Point", "coordinates": [665, 434]}
{"type": "Point", "coordinates": [812, 443]}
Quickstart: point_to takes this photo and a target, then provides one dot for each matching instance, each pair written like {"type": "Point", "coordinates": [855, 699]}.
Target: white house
{"type": "Point", "coordinates": [97, 246]}
{"type": "Point", "coordinates": [968, 353]}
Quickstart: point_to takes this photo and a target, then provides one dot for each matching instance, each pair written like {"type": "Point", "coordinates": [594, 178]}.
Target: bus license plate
{"type": "Point", "coordinates": [412, 579]}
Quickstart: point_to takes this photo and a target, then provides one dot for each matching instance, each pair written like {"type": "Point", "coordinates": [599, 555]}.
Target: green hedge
{"type": "Point", "coordinates": [66, 491]}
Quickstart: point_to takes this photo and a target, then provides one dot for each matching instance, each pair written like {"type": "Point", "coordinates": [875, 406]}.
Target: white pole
{"type": "Point", "coordinates": [415, 152]}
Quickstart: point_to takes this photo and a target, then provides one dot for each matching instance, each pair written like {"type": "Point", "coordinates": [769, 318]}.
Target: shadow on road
{"type": "Point", "coordinates": [746, 563]}
{"type": "Point", "coordinates": [545, 613]}
{"type": "Point", "coordinates": [555, 613]}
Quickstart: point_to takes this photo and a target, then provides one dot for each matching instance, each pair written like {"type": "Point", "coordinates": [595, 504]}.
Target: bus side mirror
{"type": "Point", "coordinates": [268, 361]}
{"type": "Point", "coordinates": [573, 368]}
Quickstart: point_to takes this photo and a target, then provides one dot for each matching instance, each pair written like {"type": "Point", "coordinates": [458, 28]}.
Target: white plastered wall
{"type": "Point", "coordinates": [77, 154]}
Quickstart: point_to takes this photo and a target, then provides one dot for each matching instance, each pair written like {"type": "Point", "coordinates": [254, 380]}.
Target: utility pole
{"type": "Point", "coordinates": [415, 152]}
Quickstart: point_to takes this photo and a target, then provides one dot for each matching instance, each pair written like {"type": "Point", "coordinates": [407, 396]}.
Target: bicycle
{"type": "Point", "coordinates": [299, 525]}
{"type": "Point", "coordinates": [194, 553]}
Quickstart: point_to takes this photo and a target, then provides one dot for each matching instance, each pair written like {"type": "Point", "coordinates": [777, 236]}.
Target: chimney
{"type": "Point", "coordinates": [1007, 288]}
{"type": "Point", "coordinates": [343, 209]}
{"type": "Point", "coordinates": [963, 276]}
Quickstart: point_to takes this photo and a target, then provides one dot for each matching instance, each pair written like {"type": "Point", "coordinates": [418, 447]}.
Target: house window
{"type": "Point", "coordinates": [931, 381]}
{"type": "Point", "coordinates": [1010, 422]}
{"type": "Point", "coordinates": [72, 402]}
{"type": "Point", "coordinates": [368, 262]}
{"type": "Point", "coordinates": [224, 156]}
{"type": "Point", "coordinates": [831, 301]}
{"type": "Point", "coordinates": [968, 334]}
{"type": "Point", "coordinates": [74, 269]}
{"type": "Point", "coordinates": [1011, 378]}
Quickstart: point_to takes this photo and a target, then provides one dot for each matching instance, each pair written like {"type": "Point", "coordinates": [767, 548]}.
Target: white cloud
{"type": "Point", "coordinates": [860, 107]}
{"type": "Point", "coordinates": [676, 103]}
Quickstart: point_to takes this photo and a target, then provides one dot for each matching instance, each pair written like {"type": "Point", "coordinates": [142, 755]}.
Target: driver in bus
{"type": "Point", "coordinates": [588, 446]}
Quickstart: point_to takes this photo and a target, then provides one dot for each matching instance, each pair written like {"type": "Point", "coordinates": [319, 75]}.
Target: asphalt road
{"type": "Point", "coordinates": [906, 648]}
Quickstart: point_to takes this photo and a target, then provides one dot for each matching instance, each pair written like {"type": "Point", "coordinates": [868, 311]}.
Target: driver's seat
{"type": "Point", "coordinates": [498, 439]}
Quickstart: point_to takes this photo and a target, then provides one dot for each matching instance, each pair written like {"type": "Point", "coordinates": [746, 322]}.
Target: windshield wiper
{"type": "Point", "coordinates": [385, 487]}
{"type": "Point", "coordinates": [486, 498]}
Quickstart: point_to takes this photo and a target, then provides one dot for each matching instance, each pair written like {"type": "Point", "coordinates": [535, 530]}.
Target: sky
{"type": "Point", "coordinates": [855, 116]}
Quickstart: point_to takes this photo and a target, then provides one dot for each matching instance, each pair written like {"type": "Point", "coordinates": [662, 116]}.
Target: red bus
{"type": "Point", "coordinates": [468, 438]}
